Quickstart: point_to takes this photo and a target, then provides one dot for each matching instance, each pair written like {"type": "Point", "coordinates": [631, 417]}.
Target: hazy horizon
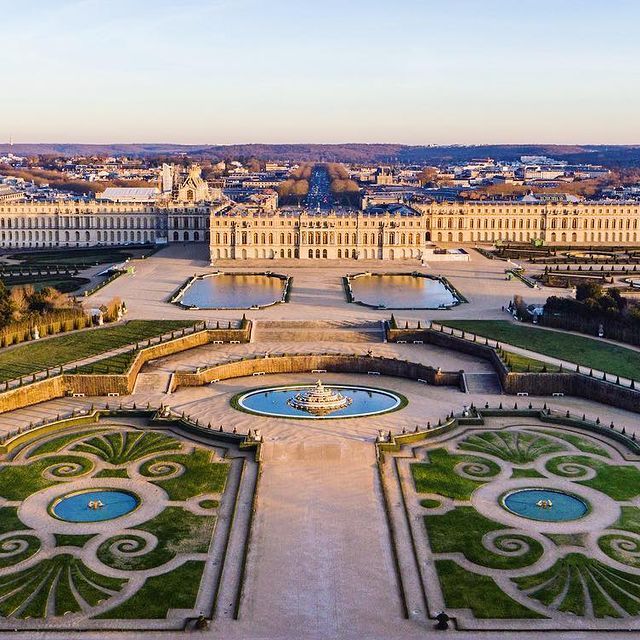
{"type": "Point", "coordinates": [222, 72]}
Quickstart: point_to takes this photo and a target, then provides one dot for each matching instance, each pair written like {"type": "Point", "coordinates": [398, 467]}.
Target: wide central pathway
{"type": "Point", "coordinates": [321, 563]}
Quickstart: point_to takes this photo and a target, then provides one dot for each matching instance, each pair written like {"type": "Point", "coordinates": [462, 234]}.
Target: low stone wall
{"type": "Point", "coordinates": [573, 384]}
{"type": "Point", "coordinates": [29, 394]}
{"type": "Point", "coordinates": [334, 363]}
{"type": "Point", "coordinates": [122, 384]}
{"type": "Point", "coordinates": [535, 384]}
{"type": "Point", "coordinates": [447, 341]}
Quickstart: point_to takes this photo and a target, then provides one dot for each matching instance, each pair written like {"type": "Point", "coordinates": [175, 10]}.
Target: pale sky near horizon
{"type": "Point", "coordinates": [238, 71]}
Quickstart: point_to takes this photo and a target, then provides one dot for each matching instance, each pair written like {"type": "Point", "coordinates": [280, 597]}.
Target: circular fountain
{"type": "Point", "coordinates": [550, 505]}
{"type": "Point", "coordinates": [319, 400]}
{"type": "Point", "coordinates": [94, 505]}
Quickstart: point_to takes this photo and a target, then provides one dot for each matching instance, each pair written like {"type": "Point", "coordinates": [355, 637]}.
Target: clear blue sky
{"type": "Point", "coordinates": [410, 71]}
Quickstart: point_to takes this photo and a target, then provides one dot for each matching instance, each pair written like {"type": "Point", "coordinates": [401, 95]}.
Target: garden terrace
{"type": "Point", "coordinates": [588, 352]}
{"type": "Point", "coordinates": [139, 565]}
{"type": "Point", "coordinates": [498, 570]}
{"type": "Point", "coordinates": [27, 359]}
{"type": "Point", "coordinates": [82, 257]}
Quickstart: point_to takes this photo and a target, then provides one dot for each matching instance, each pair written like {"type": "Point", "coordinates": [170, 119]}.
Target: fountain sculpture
{"type": "Point", "coordinates": [319, 400]}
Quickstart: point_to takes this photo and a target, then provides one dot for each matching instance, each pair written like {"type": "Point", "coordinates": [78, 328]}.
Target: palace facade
{"type": "Point", "coordinates": [401, 232]}
{"type": "Point", "coordinates": [253, 231]}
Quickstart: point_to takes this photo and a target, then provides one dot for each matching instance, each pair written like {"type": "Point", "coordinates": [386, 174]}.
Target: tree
{"type": "Point", "coordinates": [588, 290]}
{"type": "Point", "coordinates": [428, 176]}
{"type": "Point", "coordinates": [6, 306]}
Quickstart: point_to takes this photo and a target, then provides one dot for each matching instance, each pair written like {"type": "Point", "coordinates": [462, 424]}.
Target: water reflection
{"type": "Point", "coordinates": [402, 292]}
{"type": "Point", "coordinates": [233, 291]}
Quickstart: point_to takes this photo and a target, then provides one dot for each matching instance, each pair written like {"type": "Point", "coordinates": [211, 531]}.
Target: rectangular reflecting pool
{"type": "Point", "coordinates": [401, 291]}
{"type": "Point", "coordinates": [233, 291]}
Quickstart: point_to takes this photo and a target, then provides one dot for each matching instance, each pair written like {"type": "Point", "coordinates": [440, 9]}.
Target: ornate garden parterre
{"type": "Point", "coordinates": [495, 569]}
{"type": "Point", "coordinates": [139, 566]}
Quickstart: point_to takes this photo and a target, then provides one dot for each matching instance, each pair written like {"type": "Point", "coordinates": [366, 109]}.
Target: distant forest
{"type": "Point", "coordinates": [607, 155]}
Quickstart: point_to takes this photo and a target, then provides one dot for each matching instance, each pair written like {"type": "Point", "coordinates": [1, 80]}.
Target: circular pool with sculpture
{"type": "Point", "coordinates": [94, 505]}
{"type": "Point", "coordinates": [548, 505]}
{"type": "Point", "coordinates": [318, 401]}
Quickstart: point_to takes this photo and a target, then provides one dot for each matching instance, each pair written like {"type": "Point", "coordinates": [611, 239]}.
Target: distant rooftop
{"type": "Point", "coordinates": [129, 194]}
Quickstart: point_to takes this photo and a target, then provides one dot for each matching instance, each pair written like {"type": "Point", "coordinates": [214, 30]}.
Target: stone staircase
{"type": "Point", "coordinates": [483, 383]}
{"type": "Point", "coordinates": [317, 331]}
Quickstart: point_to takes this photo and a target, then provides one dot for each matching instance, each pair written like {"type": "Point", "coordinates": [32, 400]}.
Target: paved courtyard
{"type": "Point", "coordinates": [317, 290]}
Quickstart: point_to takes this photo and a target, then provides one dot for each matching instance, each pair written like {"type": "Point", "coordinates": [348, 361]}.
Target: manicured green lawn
{"type": "Point", "coordinates": [438, 476]}
{"type": "Point", "coordinates": [117, 364]}
{"type": "Point", "coordinates": [78, 256]}
{"type": "Point", "coordinates": [200, 475]}
{"type": "Point", "coordinates": [61, 583]}
{"type": "Point", "coordinates": [519, 447]}
{"type": "Point", "coordinates": [621, 482]}
{"type": "Point", "coordinates": [465, 590]}
{"type": "Point", "coordinates": [581, 350]}
{"type": "Point", "coordinates": [53, 445]}
{"type": "Point", "coordinates": [575, 581]}
{"type": "Point", "coordinates": [65, 285]}
{"type": "Point", "coordinates": [583, 443]}
{"type": "Point", "coordinates": [461, 531]}
{"type": "Point", "coordinates": [20, 481]}
{"type": "Point", "coordinates": [177, 589]}
{"type": "Point", "coordinates": [523, 364]}
{"type": "Point", "coordinates": [72, 539]}
{"type": "Point", "coordinates": [629, 520]}
{"type": "Point", "coordinates": [177, 531]}
{"type": "Point", "coordinates": [525, 473]}
{"type": "Point", "coordinates": [112, 473]}
{"type": "Point", "coordinates": [52, 352]}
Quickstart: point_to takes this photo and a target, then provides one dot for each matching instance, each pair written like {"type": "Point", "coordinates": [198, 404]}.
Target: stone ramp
{"type": "Point", "coordinates": [317, 331]}
{"type": "Point", "coordinates": [488, 383]}
{"type": "Point", "coordinates": [152, 383]}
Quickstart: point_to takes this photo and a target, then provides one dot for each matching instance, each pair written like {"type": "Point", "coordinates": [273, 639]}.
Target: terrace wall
{"type": "Point", "coordinates": [335, 363]}
{"type": "Point", "coordinates": [103, 384]}
{"type": "Point", "coordinates": [535, 384]}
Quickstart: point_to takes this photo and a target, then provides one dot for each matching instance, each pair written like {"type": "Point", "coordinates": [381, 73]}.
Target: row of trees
{"type": "Point", "coordinates": [345, 190]}
{"type": "Point", "coordinates": [60, 180]}
{"type": "Point", "coordinates": [595, 307]}
{"type": "Point", "coordinates": [20, 303]}
{"type": "Point", "coordinates": [295, 189]}
{"type": "Point", "coordinates": [22, 309]}
{"type": "Point", "coordinates": [586, 187]}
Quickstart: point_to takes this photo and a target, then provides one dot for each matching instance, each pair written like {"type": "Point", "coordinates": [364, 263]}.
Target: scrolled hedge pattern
{"type": "Point", "coordinates": [543, 571]}
{"type": "Point", "coordinates": [61, 583]}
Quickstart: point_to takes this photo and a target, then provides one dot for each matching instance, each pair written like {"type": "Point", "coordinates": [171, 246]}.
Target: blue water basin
{"type": "Point", "coordinates": [549, 505]}
{"type": "Point", "coordinates": [275, 402]}
{"type": "Point", "coordinates": [76, 506]}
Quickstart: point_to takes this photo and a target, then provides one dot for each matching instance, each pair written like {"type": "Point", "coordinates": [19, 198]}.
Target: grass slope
{"type": "Point", "coordinates": [52, 352]}
{"type": "Point", "coordinates": [581, 350]}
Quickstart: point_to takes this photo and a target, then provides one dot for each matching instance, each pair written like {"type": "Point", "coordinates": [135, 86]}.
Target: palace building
{"type": "Point", "coordinates": [255, 230]}
{"type": "Point", "coordinates": [395, 232]}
